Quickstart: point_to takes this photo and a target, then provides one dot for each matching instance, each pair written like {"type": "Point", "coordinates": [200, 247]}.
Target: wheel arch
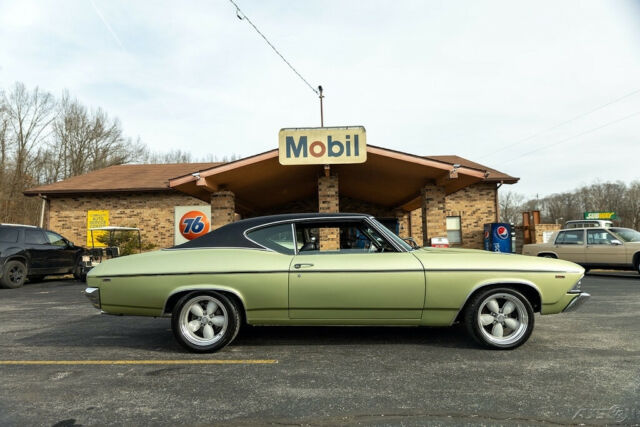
{"type": "Point", "coordinates": [19, 257]}
{"type": "Point", "coordinates": [636, 260]}
{"type": "Point", "coordinates": [232, 294]}
{"type": "Point", "coordinates": [528, 289]}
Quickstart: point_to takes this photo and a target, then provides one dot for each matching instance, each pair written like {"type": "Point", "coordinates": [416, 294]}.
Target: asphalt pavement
{"type": "Point", "coordinates": [577, 368]}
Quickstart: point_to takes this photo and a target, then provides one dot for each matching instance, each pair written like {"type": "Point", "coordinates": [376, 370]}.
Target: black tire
{"type": "Point", "coordinates": [479, 307]}
{"type": "Point", "coordinates": [226, 311]}
{"type": "Point", "coordinates": [35, 279]}
{"type": "Point", "coordinates": [78, 269]}
{"type": "Point", "coordinates": [14, 274]}
{"type": "Point", "coordinates": [549, 256]}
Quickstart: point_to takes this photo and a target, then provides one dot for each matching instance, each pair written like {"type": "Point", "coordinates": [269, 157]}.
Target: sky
{"type": "Point", "coordinates": [547, 91]}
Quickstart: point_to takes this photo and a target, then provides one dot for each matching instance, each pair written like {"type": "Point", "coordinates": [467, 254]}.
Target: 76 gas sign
{"type": "Point", "coordinates": [191, 222]}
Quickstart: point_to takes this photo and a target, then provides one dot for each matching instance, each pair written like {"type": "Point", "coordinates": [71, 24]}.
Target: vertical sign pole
{"type": "Point", "coordinates": [327, 168]}
{"type": "Point", "coordinates": [321, 110]}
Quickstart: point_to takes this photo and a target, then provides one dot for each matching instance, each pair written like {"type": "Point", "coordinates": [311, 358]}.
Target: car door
{"type": "Point", "coordinates": [603, 248]}
{"type": "Point", "coordinates": [350, 271]}
{"type": "Point", "coordinates": [570, 245]}
{"type": "Point", "coordinates": [37, 247]}
{"type": "Point", "coordinates": [60, 255]}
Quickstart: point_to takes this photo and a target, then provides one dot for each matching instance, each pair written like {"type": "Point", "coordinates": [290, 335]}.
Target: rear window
{"type": "Point", "coordinates": [278, 238]}
{"type": "Point", "coordinates": [9, 234]}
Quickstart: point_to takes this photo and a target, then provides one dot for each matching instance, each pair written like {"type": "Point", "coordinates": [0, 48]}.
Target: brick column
{"type": "Point", "coordinates": [403, 223]}
{"type": "Point", "coordinates": [223, 208]}
{"type": "Point", "coordinates": [415, 224]}
{"type": "Point", "coordinates": [434, 217]}
{"type": "Point", "coordinates": [329, 202]}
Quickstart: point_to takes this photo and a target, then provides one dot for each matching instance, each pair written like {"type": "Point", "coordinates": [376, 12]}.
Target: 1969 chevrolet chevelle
{"type": "Point", "coordinates": [331, 269]}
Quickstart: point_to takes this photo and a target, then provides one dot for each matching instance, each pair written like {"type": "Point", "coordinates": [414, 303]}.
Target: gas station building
{"type": "Point", "coordinates": [416, 196]}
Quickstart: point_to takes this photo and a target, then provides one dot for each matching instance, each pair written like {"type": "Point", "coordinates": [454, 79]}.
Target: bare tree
{"type": "Point", "coordinates": [510, 206]}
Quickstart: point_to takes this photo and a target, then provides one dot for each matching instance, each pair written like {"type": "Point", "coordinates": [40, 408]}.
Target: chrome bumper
{"type": "Point", "coordinates": [577, 302]}
{"type": "Point", "coordinates": [94, 296]}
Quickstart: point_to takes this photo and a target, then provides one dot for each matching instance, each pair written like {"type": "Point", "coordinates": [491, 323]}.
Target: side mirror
{"type": "Point", "coordinates": [616, 242]}
{"type": "Point", "coordinates": [411, 241]}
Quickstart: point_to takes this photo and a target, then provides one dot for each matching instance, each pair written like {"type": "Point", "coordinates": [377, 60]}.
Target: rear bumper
{"type": "Point", "coordinates": [94, 296]}
{"type": "Point", "coordinates": [575, 303]}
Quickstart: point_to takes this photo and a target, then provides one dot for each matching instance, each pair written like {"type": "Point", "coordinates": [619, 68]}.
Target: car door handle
{"type": "Point", "coordinates": [298, 266]}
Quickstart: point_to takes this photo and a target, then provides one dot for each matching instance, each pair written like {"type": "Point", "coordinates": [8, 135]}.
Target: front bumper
{"type": "Point", "coordinates": [94, 296]}
{"type": "Point", "coordinates": [575, 303]}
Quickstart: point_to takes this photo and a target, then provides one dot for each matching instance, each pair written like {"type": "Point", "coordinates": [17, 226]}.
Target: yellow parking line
{"type": "Point", "coordinates": [143, 362]}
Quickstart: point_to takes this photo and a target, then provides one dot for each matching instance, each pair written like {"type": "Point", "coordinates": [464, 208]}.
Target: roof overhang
{"type": "Point", "coordinates": [388, 178]}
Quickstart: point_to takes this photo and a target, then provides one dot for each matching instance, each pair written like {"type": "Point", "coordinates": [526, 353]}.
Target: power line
{"type": "Point", "coordinates": [242, 16]}
{"type": "Point", "coordinates": [574, 136]}
{"type": "Point", "coordinates": [557, 125]}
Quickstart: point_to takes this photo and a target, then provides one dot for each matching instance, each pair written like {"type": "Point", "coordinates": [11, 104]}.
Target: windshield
{"type": "Point", "coordinates": [392, 236]}
{"type": "Point", "coordinates": [626, 234]}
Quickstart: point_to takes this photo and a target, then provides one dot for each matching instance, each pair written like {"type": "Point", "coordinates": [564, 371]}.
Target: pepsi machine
{"type": "Point", "coordinates": [497, 237]}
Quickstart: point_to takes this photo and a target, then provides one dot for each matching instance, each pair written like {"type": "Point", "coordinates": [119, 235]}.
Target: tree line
{"type": "Point", "coordinates": [44, 139]}
{"type": "Point", "coordinates": [619, 197]}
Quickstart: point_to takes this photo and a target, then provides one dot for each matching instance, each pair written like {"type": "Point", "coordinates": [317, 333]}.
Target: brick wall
{"type": "Point", "coordinates": [476, 206]}
{"type": "Point", "coordinates": [223, 208]}
{"type": "Point", "coordinates": [433, 212]}
{"type": "Point", "coordinates": [540, 229]}
{"type": "Point", "coordinates": [151, 212]}
{"type": "Point", "coordinates": [329, 202]}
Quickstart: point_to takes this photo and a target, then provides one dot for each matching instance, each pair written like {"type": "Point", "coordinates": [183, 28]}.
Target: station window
{"type": "Point", "coordinates": [454, 230]}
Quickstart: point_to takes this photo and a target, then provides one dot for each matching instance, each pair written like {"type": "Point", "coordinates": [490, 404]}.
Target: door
{"type": "Point", "coordinates": [570, 245]}
{"type": "Point", "coordinates": [36, 245]}
{"type": "Point", "coordinates": [603, 248]}
{"type": "Point", "coordinates": [60, 255]}
{"type": "Point", "coordinates": [350, 271]}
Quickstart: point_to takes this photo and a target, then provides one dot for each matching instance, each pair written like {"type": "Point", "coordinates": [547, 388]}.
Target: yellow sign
{"type": "Point", "coordinates": [96, 219]}
{"type": "Point", "coordinates": [323, 146]}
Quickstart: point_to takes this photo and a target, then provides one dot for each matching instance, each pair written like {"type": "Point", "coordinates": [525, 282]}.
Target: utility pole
{"type": "Point", "coordinates": [321, 96]}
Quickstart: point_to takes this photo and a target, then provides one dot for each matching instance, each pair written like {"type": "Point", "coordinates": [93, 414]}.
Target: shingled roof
{"type": "Point", "coordinates": [155, 177]}
{"type": "Point", "coordinates": [494, 175]}
{"type": "Point", "coordinates": [122, 178]}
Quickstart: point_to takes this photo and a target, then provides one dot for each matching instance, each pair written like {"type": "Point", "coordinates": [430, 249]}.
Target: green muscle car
{"type": "Point", "coordinates": [331, 269]}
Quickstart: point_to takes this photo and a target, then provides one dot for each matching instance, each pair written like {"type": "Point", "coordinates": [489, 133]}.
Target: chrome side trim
{"type": "Point", "coordinates": [93, 294]}
{"type": "Point", "coordinates": [577, 302]}
{"type": "Point", "coordinates": [484, 285]}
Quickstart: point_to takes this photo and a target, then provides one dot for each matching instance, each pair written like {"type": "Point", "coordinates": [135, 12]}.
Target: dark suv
{"type": "Point", "coordinates": [28, 252]}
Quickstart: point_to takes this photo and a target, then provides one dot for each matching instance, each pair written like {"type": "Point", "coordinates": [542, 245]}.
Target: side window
{"type": "Point", "coordinates": [336, 237]}
{"type": "Point", "coordinates": [599, 237]}
{"type": "Point", "coordinates": [573, 237]}
{"type": "Point", "coordinates": [278, 238]}
{"type": "Point", "coordinates": [34, 237]}
{"type": "Point", "coordinates": [55, 239]}
{"type": "Point", "coordinates": [9, 234]}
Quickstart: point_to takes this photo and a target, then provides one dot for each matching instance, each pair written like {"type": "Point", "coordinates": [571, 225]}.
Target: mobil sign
{"type": "Point", "coordinates": [324, 146]}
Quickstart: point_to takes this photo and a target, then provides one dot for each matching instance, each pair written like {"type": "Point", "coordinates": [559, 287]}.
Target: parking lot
{"type": "Point", "coordinates": [582, 367]}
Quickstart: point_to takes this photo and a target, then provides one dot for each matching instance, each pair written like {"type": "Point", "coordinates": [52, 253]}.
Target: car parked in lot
{"type": "Point", "coordinates": [28, 252]}
{"type": "Point", "coordinates": [613, 248]}
{"type": "Point", "coordinates": [331, 269]}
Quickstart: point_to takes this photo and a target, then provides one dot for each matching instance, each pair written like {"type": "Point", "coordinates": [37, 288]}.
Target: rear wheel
{"type": "Point", "coordinates": [13, 275]}
{"type": "Point", "coordinates": [78, 270]}
{"type": "Point", "coordinates": [500, 318]}
{"type": "Point", "coordinates": [548, 256]}
{"type": "Point", "coordinates": [205, 321]}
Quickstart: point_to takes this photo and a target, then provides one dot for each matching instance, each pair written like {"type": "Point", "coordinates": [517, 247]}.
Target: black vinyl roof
{"type": "Point", "coordinates": [232, 235]}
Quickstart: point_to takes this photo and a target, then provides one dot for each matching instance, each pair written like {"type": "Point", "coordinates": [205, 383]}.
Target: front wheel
{"type": "Point", "coordinates": [500, 318]}
{"type": "Point", "coordinates": [205, 321]}
{"type": "Point", "coordinates": [13, 275]}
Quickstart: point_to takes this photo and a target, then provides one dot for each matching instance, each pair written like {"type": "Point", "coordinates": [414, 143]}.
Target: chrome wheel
{"type": "Point", "coordinates": [502, 319]}
{"type": "Point", "coordinates": [203, 320]}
